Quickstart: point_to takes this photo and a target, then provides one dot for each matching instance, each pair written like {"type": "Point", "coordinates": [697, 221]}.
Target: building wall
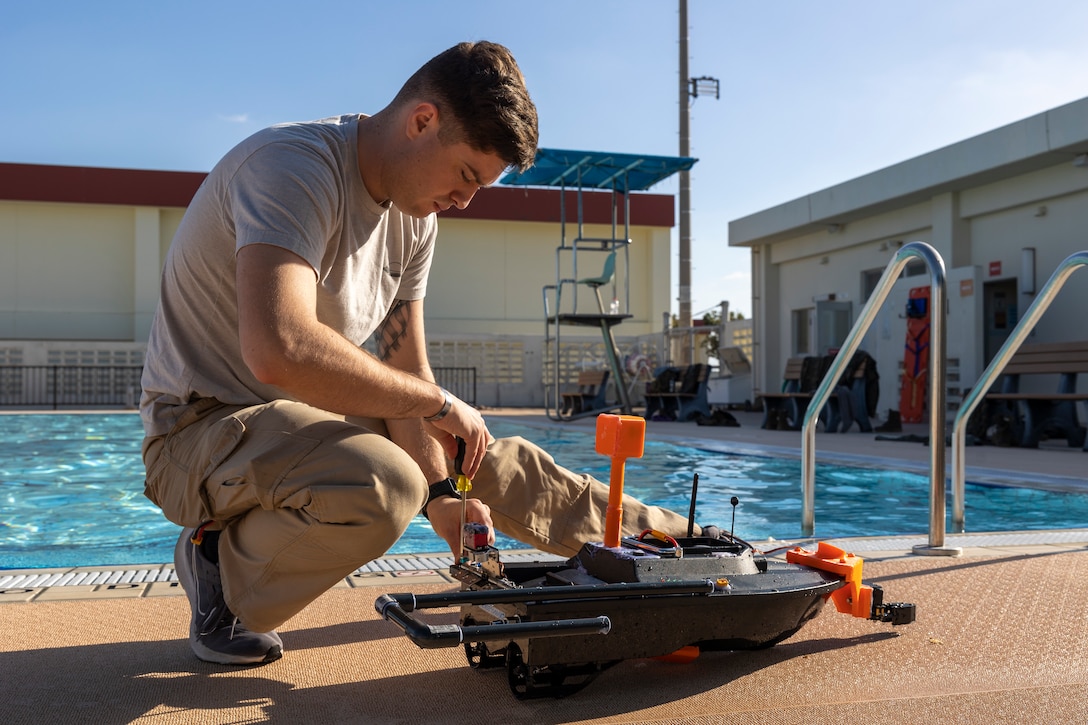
{"type": "Point", "coordinates": [81, 271]}
{"type": "Point", "coordinates": [91, 272]}
{"type": "Point", "coordinates": [980, 231]}
{"type": "Point", "coordinates": [79, 280]}
{"type": "Point", "coordinates": [488, 276]}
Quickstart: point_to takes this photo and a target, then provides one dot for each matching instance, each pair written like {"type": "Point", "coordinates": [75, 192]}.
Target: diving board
{"type": "Point", "coordinates": [620, 174]}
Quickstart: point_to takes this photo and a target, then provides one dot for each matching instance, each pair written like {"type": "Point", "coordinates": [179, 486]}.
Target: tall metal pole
{"type": "Point", "coordinates": [685, 185]}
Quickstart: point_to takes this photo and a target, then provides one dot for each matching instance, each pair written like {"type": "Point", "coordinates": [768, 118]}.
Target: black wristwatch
{"type": "Point", "coordinates": [445, 487]}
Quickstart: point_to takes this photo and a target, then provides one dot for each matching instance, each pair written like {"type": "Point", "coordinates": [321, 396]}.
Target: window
{"type": "Point", "coordinates": [870, 277]}
{"type": "Point", "coordinates": [833, 322]}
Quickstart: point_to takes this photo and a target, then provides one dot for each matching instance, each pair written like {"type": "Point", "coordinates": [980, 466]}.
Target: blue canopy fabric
{"type": "Point", "coordinates": [598, 170]}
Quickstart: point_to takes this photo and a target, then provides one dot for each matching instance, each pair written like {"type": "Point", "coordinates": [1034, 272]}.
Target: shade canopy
{"type": "Point", "coordinates": [598, 170]}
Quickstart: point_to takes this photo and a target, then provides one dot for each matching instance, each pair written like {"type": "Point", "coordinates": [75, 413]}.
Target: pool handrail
{"type": "Point", "coordinates": [937, 339]}
{"type": "Point", "coordinates": [982, 386]}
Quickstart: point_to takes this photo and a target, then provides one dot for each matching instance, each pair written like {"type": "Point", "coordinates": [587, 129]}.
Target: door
{"type": "Point", "coordinates": [999, 314]}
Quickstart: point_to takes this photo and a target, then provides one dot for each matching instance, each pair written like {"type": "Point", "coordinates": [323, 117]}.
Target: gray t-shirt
{"type": "Point", "coordinates": [295, 186]}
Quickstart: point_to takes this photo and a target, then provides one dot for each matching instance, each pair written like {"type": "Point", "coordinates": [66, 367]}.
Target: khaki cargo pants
{"type": "Point", "coordinates": [305, 497]}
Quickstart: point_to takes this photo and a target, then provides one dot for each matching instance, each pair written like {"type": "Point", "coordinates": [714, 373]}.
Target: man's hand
{"type": "Point", "coordinates": [463, 421]}
{"type": "Point", "coordinates": [445, 516]}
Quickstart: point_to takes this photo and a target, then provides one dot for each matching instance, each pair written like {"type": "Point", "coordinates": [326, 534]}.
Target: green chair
{"type": "Point", "coordinates": [605, 278]}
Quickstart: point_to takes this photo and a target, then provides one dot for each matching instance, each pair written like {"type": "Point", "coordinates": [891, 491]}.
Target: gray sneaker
{"type": "Point", "coordinates": [215, 634]}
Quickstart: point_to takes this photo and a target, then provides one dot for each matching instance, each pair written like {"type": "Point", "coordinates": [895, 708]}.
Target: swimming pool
{"type": "Point", "coordinates": [71, 493]}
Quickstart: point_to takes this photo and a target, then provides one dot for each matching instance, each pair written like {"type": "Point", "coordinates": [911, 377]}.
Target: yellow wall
{"type": "Point", "coordinates": [91, 272]}
{"type": "Point", "coordinates": [67, 272]}
{"type": "Point", "coordinates": [81, 271]}
{"type": "Point", "coordinates": [488, 276]}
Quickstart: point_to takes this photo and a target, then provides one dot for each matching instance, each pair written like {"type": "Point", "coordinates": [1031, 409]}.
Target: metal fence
{"type": "Point", "coordinates": [70, 386]}
{"type": "Point", "coordinates": [101, 386]}
{"type": "Point", "coordinates": [459, 381]}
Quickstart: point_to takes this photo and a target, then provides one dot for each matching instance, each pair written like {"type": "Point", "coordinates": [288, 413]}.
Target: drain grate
{"type": "Point", "coordinates": [40, 579]}
{"type": "Point", "coordinates": [105, 576]}
{"type": "Point", "coordinates": [68, 578]}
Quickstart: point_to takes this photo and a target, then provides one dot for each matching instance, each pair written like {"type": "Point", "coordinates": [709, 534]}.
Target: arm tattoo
{"type": "Point", "coordinates": [392, 330]}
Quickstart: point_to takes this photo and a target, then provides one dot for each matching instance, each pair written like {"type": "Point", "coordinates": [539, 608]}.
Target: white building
{"type": "Point", "coordinates": [989, 205]}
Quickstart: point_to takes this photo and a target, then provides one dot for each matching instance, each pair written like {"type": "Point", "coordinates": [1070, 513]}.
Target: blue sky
{"type": "Point", "coordinates": [813, 93]}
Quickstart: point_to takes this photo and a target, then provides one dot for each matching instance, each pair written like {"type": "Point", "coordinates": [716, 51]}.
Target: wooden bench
{"type": "Point", "coordinates": [678, 393]}
{"type": "Point", "coordinates": [784, 410]}
{"type": "Point", "coordinates": [589, 397]}
{"type": "Point", "coordinates": [1035, 416]}
{"type": "Point", "coordinates": [848, 403]}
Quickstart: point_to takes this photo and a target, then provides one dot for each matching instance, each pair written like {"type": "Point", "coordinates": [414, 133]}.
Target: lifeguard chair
{"type": "Point", "coordinates": [582, 255]}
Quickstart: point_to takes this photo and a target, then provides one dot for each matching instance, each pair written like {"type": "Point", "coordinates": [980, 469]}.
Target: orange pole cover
{"type": "Point", "coordinates": [619, 437]}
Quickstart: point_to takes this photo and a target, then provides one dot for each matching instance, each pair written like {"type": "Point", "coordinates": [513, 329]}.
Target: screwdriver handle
{"type": "Point", "coordinates": [464, 484]}
{"type": "Point", "coordinates": [459, 461]}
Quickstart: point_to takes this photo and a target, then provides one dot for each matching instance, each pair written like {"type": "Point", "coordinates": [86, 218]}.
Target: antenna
{"type": "Point", "coordinates": [691, 511]}
{"type": "Point", "coordinates": [734, 501]}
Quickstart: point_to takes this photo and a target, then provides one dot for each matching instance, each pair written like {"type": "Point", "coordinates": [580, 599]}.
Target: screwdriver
{"type": "Point", "coordinates": [464, 485]}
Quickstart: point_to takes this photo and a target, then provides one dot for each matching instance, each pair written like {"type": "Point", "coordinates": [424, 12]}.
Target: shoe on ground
{"type": "Point", "coordinates": [894, 423]}
{"type": "Point", "coordinates": [215, 634]}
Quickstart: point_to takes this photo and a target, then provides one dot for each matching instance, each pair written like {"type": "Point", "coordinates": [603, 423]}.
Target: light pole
{"type": "Point", "coordinates": [689, 88]}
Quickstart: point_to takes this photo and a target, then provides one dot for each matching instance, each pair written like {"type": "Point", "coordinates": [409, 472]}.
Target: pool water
{"type": "Point", "coordinates": [71, 493]}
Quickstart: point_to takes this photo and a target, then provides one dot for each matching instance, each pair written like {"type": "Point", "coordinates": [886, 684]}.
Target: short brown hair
{"type": "Point", "coordinates": [481, 86]}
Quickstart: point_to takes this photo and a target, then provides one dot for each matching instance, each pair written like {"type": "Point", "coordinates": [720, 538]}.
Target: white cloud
{"type": "Point", "coordinates": [235, 118]}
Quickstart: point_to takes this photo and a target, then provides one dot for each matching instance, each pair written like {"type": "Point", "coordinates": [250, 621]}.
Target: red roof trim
{"type": "Point", "coordinates": [85, 185]}
{"type": "Point", "coordinates": [137, 187]}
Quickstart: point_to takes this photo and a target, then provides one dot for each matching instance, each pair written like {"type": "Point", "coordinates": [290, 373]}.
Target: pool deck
{"type": "Point", "coordinates": [1001, 634]}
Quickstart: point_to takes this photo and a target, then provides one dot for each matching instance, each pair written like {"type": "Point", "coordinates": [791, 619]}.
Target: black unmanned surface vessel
{"type": "Point", "coordinates": [556, 625]}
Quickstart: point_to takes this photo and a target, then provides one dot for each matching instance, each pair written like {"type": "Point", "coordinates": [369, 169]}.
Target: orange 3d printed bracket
{"type": "Point", "coordinates": [855, 598]}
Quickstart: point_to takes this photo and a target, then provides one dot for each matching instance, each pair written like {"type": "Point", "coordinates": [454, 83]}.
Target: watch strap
{"type": "Point", "coordinates": [445, 487]}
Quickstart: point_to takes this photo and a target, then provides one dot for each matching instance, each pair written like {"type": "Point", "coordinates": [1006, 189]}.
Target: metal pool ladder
{"type": "Point", "coordinates": [1023, 328]}
{"type": "Point", "coordinates": [938, 361]}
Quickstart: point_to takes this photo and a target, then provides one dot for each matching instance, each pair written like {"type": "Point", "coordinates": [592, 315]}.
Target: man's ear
{"type": "Point", "coordinates": [422, 119]}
